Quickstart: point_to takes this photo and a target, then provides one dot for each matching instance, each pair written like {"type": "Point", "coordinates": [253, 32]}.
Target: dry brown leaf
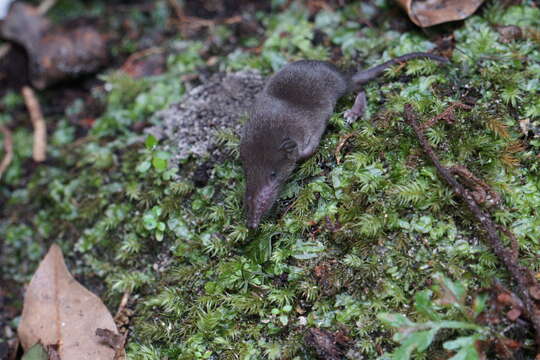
{"type": "Point", "coordinates": [426, 13]}
{"type": "Point", "coordinates": [55, 52]}
{"type": "Point", "coordinates": [59, 310]}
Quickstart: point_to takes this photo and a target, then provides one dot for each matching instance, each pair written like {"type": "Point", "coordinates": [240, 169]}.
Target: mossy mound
{"type": "Point", "coordinates": [360, 228]}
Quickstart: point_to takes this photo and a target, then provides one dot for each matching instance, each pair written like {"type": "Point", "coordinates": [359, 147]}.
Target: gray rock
{"type": "Point", "coordinates": [220, 104]}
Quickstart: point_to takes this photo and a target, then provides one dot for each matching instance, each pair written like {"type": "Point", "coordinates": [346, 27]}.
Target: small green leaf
{"type": "Point", "coordinates": [160, 160]}
{"type": "Point", "coordinates": [404, 351]}
{"type": "Point", "coordinates": [424, 338]}
{"type": "Point", "coordinates": [395, 320]}
{"type": "Point", "coordinates": [144, 166]}
{"type": "Point", "coordinates": [458, 325]}
{"type": "Point", "coordinates": [161, 226]}
{"type": "Point", "coordinates": [459, 342]}
{"type": "Point", "coordinates": [159, 164]}
{"type": "Point", "coordinates": [149, 221]}
{"type": "Point", "coordinates": [479, 304]}
{"type": "Point", "coordinates": [419, 340]}
{"type": "Point", "coordinates": [284, 319]}
{"type": "Point", "coordinates": [424, 305]}
{"type": "Point", "coordinates": [467, 350]}
{"type": "Point", "coordinates": [150, 142]}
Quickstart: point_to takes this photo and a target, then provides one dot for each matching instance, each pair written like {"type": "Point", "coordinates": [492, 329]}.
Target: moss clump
{"type": "Point", "coordinates": [347, 241]}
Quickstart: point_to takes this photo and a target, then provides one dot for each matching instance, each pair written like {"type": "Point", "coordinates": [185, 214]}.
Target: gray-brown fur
{"type": "Point", "coordinates": [288, 119]}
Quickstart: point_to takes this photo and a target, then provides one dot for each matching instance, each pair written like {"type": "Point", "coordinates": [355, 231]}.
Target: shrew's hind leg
{"type": "Point", "coordinates": [357, 109]}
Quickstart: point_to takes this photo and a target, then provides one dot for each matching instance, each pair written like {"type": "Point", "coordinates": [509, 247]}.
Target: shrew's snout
{"type": "Point", "coordinates": [258, 203]}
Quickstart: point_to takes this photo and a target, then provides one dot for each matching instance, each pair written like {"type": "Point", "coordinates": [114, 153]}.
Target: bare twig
{"type": "Point", "coordinates": [520, 275]}
{"type": "Point", "coordinates": [123, 304]}
{"type": "Point", "coordinates": [45, 6]}
{"type": "Point", "coordinates": [513, 241]}
{"type": "Point", "coordinates": [133, 58]}
{"type": "Point", "coordinates": [8, 147]}
{"type": "Point", "coordinates": [342, 141]}
{"type": "Point", "coordinates": [40, 129]}
{"type": "Point", "coordinates": [187, 23]}
{"type": "Point", "coordinates": [481, 189]}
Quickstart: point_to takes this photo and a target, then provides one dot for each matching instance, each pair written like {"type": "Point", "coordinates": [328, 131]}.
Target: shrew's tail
{"type": "Point", "coordinates": [365, 76]}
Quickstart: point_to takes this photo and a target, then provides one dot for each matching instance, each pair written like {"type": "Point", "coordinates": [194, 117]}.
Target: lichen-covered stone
{"type": "Point", "coordinates": [219, 104]}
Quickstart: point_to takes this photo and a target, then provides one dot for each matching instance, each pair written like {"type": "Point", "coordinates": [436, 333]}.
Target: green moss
{"type": "Point", "coordinates": [348, 239]}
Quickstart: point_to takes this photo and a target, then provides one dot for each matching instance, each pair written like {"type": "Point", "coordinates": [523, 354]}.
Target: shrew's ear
{"type": "Point", "coordinates": [289, 147]}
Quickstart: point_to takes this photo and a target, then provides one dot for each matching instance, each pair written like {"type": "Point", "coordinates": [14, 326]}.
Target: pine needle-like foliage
{"type": "Point", "coordinates": [357, 230]}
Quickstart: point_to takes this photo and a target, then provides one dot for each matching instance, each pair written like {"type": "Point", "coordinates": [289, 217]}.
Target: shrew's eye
{"type": "Point", "coordinates": [273, 175]}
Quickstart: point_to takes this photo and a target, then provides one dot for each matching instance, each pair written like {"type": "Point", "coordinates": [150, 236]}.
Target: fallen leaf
{"type": "Point", "coordinates": [59, 310]}
{"type": "Point", "coordinates": [426, 13]}
{"type": "Point", "coordinates": [55, 52]}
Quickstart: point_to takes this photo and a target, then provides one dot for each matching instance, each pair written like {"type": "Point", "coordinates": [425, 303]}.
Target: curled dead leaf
{"type": "Point", "coordinates": [426, 13]}
{"type": "Point", "coordinates": [60, 311]}
{"type": "Point", "coordinates": [55, 53]}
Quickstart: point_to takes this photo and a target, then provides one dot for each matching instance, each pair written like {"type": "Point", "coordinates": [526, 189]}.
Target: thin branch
{"type": "Point", "coordinates": [45, 6]}
{"type": "Point", "coordinates": [40, 129]}
{"type": "Point", "coordinates": [8, 147]}
{"type": "Point", "coordinates": [520, 275]}
{"type": "Point", "coordinates": [187, 23]}
{"type": "Point", "coordinates": [481, 189]}
{"type": "Point", "coordinates": [123, 304]}
{"type": "Point", "coordinates": [342, 141]}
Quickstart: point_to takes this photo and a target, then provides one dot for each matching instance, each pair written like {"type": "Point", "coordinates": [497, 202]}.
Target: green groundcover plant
{"type": "Point", "coordinates": [350, 241]}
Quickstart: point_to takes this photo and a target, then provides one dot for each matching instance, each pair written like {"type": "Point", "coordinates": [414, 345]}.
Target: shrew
{"type": "Point", "coordinates": [288, 119]}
